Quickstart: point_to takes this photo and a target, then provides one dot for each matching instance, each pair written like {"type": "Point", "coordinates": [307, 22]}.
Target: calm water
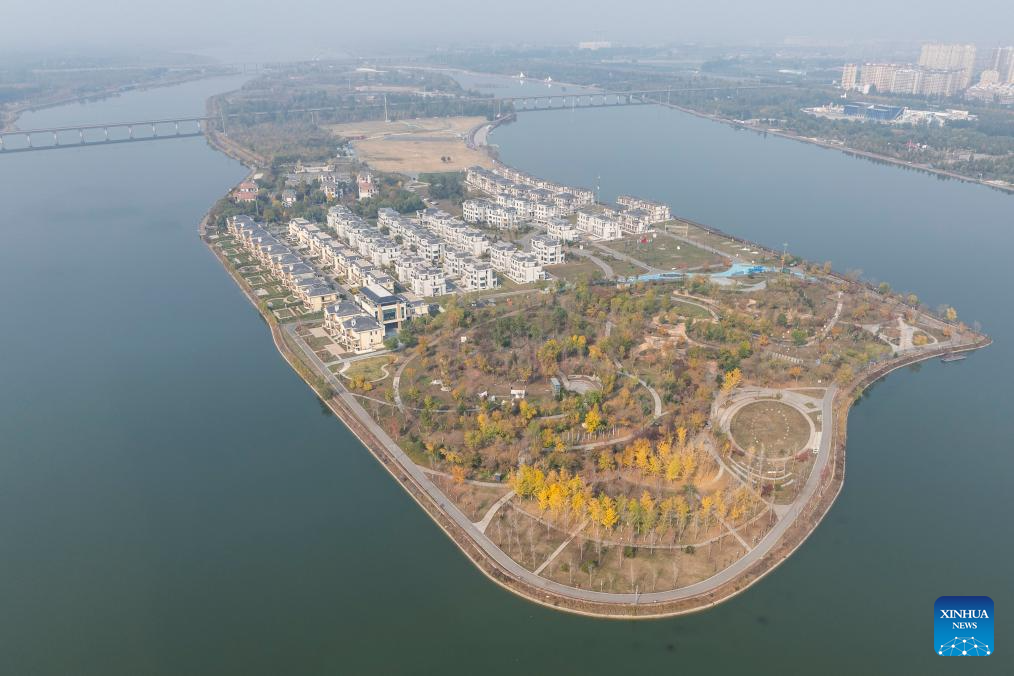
{"type": "Point", "coordinates": [173, 499]}
{"type": "Point", "coordinates": [504, 86]}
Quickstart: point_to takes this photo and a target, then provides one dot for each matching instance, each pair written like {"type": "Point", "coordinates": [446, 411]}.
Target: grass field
{"type": "Point", "coordinates": [664, 253]}
{"type": "Point", "coordinates": [575, 270]}
{"type": "Point", "coordinates": [690, 310]}
{"type": "Point", "coordinates": [370, 369]}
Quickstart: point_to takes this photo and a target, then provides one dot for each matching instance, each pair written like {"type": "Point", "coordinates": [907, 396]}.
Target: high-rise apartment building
{"type": "Point", "coordinates": [941, 82]}
{"type": "Point", "coordinates": [1001, 59]}
{"type": "Point", "coordinates": [879, 76]}
{"type": "Point", "coordinates": [849, 75]}
{"type": "Point", "coordinates": [907, 80]}
{"type": "Point", "coordinates": [950, 57]}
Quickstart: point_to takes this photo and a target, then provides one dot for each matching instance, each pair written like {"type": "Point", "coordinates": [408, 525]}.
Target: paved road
{"type": "Point", "coordinates": [513, 568]}
{"type": "Point", "coordinates": [624, 257]}
{"type": "Point", "coordinates": [605, 267]}
{"type": "Point", "coordinates": [699, 245]}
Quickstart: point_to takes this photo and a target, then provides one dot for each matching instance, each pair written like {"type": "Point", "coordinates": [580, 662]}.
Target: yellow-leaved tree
{"type": "Point", "coordinates": [681, 436]}
{"type": "Point", "coordinates": [674, 469]}
{"type": "Point", "coordinates": [593, 420]}
{"type": "Point", "coordinates": [609, 513]}
{"type": "Point", "coordinates": [606, 461]}
{"type": "Point", "coordinates": [731, 380]}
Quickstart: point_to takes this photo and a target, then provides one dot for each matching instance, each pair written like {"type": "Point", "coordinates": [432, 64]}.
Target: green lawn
{"type": "Point", "coordinates": [690, 310]}
{"type": "Point", "coordinates": [664, 252]}
{"type": "Point", "coordinates": [575, 270]}
{"type": "Point", "coordinates": [369, 369]}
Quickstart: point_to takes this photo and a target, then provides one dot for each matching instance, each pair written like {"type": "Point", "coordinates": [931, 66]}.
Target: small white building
{"type": "Point", "coordinates": [599, 223]}
{"type": "Point", "coordinates": [657, 212]}
{"type": "Point", "coordinates": [547, 250]}
{"type": "Point", "coordinates": [561, 229]}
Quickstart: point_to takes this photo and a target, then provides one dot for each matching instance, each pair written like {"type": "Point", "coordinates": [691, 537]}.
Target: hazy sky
{"type": "Point", "coordinates": [306, 28]}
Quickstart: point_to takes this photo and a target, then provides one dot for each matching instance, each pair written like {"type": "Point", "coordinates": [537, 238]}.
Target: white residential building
{"type": "Point", "coordinates": [600, 223]}
{"type": "Point", "coordinates": [477, 275]}
{"type": "Point", "coordinates": [428, 281]}
{"type": "Point", "coordinates": [657, 211]}
{"type": "Point", "coordinates": [561, 229]}
{"type": "Point", "coordinates": [474, 211]}
{"type": "Point", "coordinates": [634, 221]}
{"type": "Point", "coordinates": [547, 249]}
{"type": "Point", "coordinates": [518, 266]}
{"type": "Point", "coordinates": [352, 328]}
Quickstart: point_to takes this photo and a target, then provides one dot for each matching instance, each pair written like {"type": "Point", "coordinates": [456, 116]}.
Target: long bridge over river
{"type": "Point", "coordinates": [101, 133]}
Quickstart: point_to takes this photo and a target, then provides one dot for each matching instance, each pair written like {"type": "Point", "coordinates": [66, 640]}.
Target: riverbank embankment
{"type": "Point", "coordinates": [493, 562]}
{"type": "Point", "coordinates": [830, 145]}
{"type": "Point", "coordinates": [9, 118]}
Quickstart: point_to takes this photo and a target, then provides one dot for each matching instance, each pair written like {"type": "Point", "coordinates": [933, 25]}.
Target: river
{"type": "Point", "coordinates": [174, 499]}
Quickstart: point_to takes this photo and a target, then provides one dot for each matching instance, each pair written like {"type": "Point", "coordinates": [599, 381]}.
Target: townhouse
{"type": "Point", "coordinates": [599, 222]}
{"type": "Point", "coordinates": [300, 277]}
{"type": "Point", "coordinates": [352, 328]}
{"type": "Point", "coordinates": [548, 250]}
{"type": "Point", "coordinates": [390, 310]}
{"type": "Point", "coordinates": [657, 211]}
{"type": "Point", "coordinates": [516, 265]}
{"type": "Point", "coordinates": [561, 229]}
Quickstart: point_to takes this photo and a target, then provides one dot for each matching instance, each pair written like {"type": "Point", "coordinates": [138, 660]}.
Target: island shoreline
{"type": "Point", "coordinates": [811, 514]}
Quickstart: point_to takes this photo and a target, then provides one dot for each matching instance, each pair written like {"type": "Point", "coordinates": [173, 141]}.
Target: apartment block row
{"type": "Point", "coordinates": [524, 267]}
{"type": "Point", "coordinates": [894, 78]}
{"type": "Point", "coordinates": [516, 197]}
{"type": "Point", "coordinates": [298, 275]}
{"type": "Point", "coordinates": [582, 197]}
{"type": "Point", "coordinates": [359, 261]}
{"type": "Point", "coordinates": [656, 212]}
{"type": "Point", "coordinates": [435, 247]}
{"type": "Point", "coordinates": [942, 70]}
{"type": "Point", "coordinates": [445, 246]}
{"type": "Point", "coordinates": [358, 326]}
{"type": "Point", "coordinates": [528, 202]}
{"type": "Point", "coordinates": [603, 222]}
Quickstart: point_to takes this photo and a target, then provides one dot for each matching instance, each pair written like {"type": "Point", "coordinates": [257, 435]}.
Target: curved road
{"type": "Point", "coordinates": [605, 267]}
{"type": "Point", "coordinates": [513, 568]}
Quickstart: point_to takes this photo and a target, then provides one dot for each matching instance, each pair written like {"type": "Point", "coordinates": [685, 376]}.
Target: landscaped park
{"type": "Point", "coordinates": [647, 433]}
{"type": "Point", "coordinates": [635, 438]}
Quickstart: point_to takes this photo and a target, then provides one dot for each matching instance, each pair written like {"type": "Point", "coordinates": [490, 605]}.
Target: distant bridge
{"type": "Point", "coordinates": [99, 133]}
{"type": "Point", "coordinates": [563, 101]}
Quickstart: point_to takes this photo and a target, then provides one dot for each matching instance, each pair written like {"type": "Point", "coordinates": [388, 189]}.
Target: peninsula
{"type": "Point", "coordinates": [611, 410]}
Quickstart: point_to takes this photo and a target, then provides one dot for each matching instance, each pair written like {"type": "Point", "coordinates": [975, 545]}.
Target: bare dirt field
{"type": "Point", "coordinates": [771, 426]}
{"type": "Point", "coordinates": [414, 146]}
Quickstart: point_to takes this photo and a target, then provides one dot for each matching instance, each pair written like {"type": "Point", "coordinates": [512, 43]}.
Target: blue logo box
{"type": "Point", "coordinates": [963, 626]}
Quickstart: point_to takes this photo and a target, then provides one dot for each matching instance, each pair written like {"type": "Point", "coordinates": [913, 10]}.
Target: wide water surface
{"type": "Point", "coordinates": [174, 499]}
